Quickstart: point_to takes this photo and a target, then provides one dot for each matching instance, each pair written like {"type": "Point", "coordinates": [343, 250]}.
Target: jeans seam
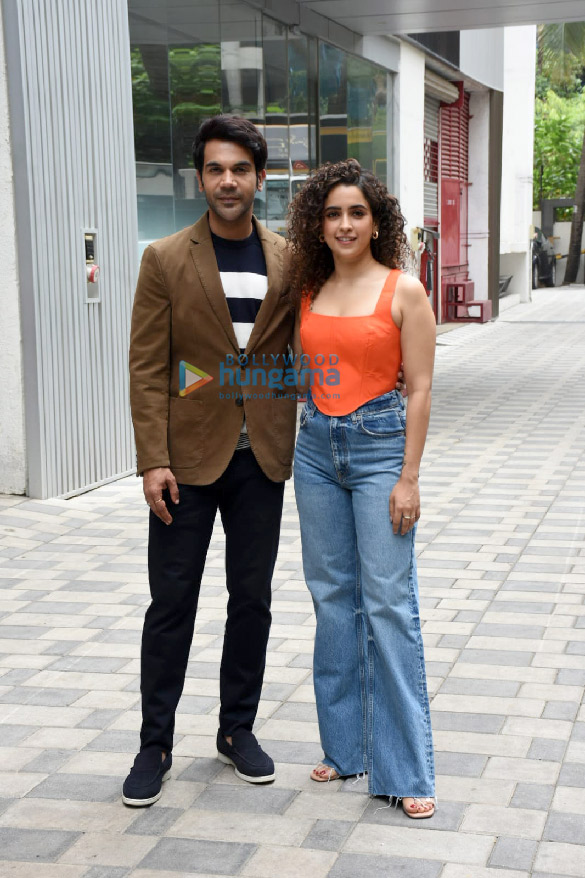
{"type": "Point", "coordinates": [370, 642]}
{"type": "Point", "coordinates": [423, 693]}
{"type": "Point", "coordinates": [360, 638]}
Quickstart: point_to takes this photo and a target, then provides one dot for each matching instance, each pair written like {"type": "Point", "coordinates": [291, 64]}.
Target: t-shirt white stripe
{"type": "Point", "coordinates": [243, 332]}
{"type": "Point", "coordinates": [243, 285]}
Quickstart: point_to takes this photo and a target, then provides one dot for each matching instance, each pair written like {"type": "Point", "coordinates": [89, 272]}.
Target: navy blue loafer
{"type": "Point", "coordinates": [143, 786]}
{"type": "Point", "coordinates": [247, 756]}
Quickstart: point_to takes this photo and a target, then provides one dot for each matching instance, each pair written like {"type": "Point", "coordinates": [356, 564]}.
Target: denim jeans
{"type": "Point", "coordinates": [369, 670]}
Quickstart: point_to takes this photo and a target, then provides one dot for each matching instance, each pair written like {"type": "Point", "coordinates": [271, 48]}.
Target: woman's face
{"type": "Point", "coordinates": [348, 223]}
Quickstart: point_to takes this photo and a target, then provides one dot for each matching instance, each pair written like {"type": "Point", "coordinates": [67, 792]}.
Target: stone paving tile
{"type": "Point", "coordinates": [366, 866]}
{"type": "Point", "coordinates": [117, 741]}
{"type": "Point", "coordinates": [78, 786]}
{"type": "Point", "coordinates": [34, 845]}
{"type": "Point", "coordinates": [543, 748]}
{"type": "Point", "coordinates": [565, 827]}
{"type": "Point", "coordinates": [453, 870]}
{"type": "Point", "coordinates": [288, 863]}
{"type": "Point", "coordinates": [465, 847]}
{"type": "Point", "coordinates": [106, 849]}
{"type": "Point", "coordinates": [513, 853]}
{"type": "Point", "coordinates": [182, 855]}
{"type": "Point", "coordinates": [251, 798]}
{"type": "Point", "coordinates": [328, 835]}
{"type": "Point", "coordinates": [466, 722]}
{"type": "Point", "coordinates": [49, 761]}
{"type": "Point", "coordinates": [463, 764]}
{"type": "Point", "coordinates": [533, 796]}
{"type": "Point", "coordinates": [572, 775]}
{"type": "Point", "coordinates": [106, 872]}
{"type": "Point", "coordinates": [502, 595]}
{"type": "Point", "coordinates": [241, 827]}
{"type": "Point", "coordinates": [154, 821]}
{"type": "Point", "coordinates": [521, 823]}
{"type": "Point", "coordinates": [202, 770]}
{"type": "Point", "coordinates": [552, 856]}
{"type": "Point", "coordinates": [5, 804]}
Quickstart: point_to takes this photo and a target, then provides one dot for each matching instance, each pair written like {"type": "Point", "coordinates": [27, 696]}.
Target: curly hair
{"type": "Point", "coordinates": [311, 260]}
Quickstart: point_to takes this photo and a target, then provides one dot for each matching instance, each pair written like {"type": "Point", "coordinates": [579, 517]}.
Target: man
{"type": "Point", "coordinates": [208, 299]}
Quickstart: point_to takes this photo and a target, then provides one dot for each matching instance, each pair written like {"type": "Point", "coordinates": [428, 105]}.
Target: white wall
{"type": "Point", "coordinates": [518, 144]}
{"type": "Point", "coordinates": [481, 55]}
{"type": "Point", "coordinates": [383, 50]}
{"type": "Point", "coordinates": [478, 192]}
{"type": "Point", "coordinates": [12, 443]}
{"type": "Point", "coordinates": [73, 170]}
{"type": "Point", "coordinates": [410, 104]}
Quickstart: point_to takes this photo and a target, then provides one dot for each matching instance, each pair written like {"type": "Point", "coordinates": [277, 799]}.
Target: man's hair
{"type": "Point", "coordinates": [235, 129]}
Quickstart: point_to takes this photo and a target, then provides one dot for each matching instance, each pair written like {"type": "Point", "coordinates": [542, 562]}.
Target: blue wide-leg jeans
{"type": "Point", "coordinates": [369, 669]}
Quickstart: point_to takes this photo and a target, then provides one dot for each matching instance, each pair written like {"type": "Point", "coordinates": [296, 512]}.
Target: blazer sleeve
{"type": "Point", "coordinates": [150, 364]}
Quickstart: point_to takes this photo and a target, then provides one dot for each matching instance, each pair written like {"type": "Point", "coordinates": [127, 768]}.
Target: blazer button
{"type": "Point", "coordinates": [243, 359]}
{"type": "Point", "coordinates": [239, 400]}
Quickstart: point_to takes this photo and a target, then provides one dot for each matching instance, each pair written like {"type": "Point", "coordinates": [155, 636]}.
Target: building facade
{"type": "Point", "coordinates": [98, 111]}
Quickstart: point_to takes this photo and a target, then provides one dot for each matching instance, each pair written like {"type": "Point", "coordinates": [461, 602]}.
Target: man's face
{"type": "Point", "coordinates": [229, 180]}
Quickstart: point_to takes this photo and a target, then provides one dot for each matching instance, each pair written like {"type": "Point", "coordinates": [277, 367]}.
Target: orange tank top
{"type": "Point", "coordinates": [352, 359]}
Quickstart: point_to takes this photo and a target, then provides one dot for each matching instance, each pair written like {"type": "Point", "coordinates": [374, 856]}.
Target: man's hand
{"type": "Point", "coordinates": [155, 481]}
{"type": "Point", "coordinates": [401, 383]}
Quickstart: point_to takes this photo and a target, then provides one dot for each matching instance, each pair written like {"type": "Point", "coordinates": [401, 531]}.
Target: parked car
{"type": "Point", "coordinates": [544, 261]}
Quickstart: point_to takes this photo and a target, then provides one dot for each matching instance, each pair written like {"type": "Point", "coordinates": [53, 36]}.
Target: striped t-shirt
{"type": "Point", "coordinates": [242, 269]}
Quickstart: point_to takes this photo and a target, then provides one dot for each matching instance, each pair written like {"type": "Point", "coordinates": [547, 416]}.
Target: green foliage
{"type": "Point", "coordinates": [559, 109]}
{"type": "Point", "coordinates": [558, 137]}
{"type": "Point", "coordinates": [151, 115]}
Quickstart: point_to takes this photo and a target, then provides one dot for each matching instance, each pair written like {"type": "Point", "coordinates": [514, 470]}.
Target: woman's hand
{"type": "Point", "coordinates": [401, 382]}
{"type": "Point", "coordinates": [405, 504]}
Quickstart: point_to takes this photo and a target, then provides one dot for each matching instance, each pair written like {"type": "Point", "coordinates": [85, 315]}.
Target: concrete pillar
{"type": "Point", "coordinates": [12, 436]}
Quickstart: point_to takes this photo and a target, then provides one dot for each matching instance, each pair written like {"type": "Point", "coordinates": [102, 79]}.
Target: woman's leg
{"type": "Point", "coordinates": [332, 575]}
{"type": "Point", "coordinates": [400, 748]}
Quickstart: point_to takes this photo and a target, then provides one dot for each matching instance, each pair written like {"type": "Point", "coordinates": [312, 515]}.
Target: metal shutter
{"type": "Point", "coordinates": [455, 140]}
{"type": "Point", "coordinates": [431, 168]}
{"type": "Point", "coordinates": [454, 182]}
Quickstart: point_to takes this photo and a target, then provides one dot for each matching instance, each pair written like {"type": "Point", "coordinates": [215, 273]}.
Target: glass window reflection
{"type": "Point", "coordinates": [312, 101]}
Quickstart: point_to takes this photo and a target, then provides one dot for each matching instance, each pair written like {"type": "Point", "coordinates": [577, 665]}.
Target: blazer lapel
{"type": "Point", "coordinates": [273, 257]}
{"type": "Point", "coordinates": [203, 256]}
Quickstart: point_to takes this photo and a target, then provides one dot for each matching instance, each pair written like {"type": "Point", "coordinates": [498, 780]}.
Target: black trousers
{"type": "Point", "coordinates": [251, 509]}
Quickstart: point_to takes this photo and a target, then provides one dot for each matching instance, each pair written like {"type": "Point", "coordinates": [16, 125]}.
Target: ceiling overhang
{"type": "Point", "coordinates": [414, 16]}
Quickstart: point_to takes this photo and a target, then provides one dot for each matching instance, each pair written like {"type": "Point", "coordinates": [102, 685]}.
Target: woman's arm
{"type": "Point", "coordinates": [412, 312]}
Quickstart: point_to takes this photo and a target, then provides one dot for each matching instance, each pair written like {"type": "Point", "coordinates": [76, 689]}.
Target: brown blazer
{"type": "Point", "coordinates": [181, 313]}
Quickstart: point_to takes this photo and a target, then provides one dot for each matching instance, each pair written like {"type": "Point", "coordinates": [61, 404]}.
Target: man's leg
{"type": "Point", "coordinates": [176, 557]}
{"type": "Point", "coordinates": [251, 510]}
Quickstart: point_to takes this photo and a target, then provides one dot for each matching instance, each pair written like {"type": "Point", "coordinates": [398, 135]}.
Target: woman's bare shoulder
{"type": "Point", "coordinates": [409, 286]}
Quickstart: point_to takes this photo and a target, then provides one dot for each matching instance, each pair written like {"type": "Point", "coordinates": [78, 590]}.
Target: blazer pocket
{"type": "Point", "coordinates": [185, 431]}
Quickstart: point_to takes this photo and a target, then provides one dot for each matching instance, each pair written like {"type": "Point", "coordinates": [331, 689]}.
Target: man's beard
{"type": "Point", "coordinates": [232, 213]}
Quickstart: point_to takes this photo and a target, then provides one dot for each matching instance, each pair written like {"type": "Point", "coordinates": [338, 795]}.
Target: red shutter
{"type": "Point", "coordinates": [454, 169]}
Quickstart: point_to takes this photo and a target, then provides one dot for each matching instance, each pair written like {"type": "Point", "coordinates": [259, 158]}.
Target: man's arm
{"type": "Point", "coordinates": [150, 366]}
{"type": "Point", "coordinates": [150, 350]}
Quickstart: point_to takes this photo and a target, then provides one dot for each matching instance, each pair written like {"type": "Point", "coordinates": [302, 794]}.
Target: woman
{"type": "Point", "coordinates": [356, 479]}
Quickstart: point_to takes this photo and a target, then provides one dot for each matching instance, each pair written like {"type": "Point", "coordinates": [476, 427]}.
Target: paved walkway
{"type": "Point", "coordinates": [502, 569]}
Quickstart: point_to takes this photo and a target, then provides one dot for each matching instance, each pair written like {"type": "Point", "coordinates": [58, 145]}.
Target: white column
{"type": "Point", "coordinates": [477, 218]}
{"type": "Point", "coordinates": [410, 116]}
{"type": "Point", "coordinates": [518, 144]}
{"type": "Point", "coordinates": [12, 439]}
